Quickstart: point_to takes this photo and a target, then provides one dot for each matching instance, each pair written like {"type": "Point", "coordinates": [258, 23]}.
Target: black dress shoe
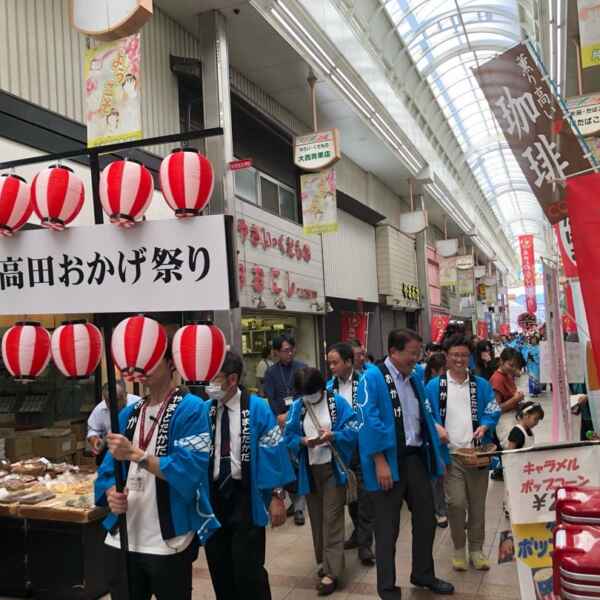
{"type": "Point", "coordinates": [366, 557]}
{"type": "Point", "coordinates": [299, 518]}
{"type": "Point", "coordinates": [395, 594]}
{"type": "Point", "coordinates": [351, 543]}
{"type": "Point", "coordinates": [437, 586]}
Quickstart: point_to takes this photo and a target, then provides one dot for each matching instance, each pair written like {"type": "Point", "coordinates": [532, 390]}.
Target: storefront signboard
{"type": "Point", "coordinates": [319, 204]}
{"type": "Point", "coordinates": [182, 265]}
{"type": "Point", "coordinates": [533, 123]}
{"type": "Point", "coordinates": [465, 261]}
{"type": "Point", "coordinates": [110, 20]}
{"type": "Point", "coordinates": [239, 165]}
{"type": "Point", "coordinates": [589, 32]}
{"type": "Point", "coordinates": [112, 92]}
{"type": "Point", "coordinates": [448, 272]}
{"type": "Point", "coordinates": [586, 112]}
{"type": "Point", "coordinates": [465, 285]}
{"type": "Point", "coordinates": [316, 151]}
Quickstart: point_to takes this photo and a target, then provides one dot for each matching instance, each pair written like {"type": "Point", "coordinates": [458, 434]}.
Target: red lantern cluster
{"type": "Point", "coordinates": [138, 345]}
{"type": "Point", "coordinates": [77, 349]}
{"type": "Point", "coordinates": [26, 350]}
{"type": "Point", "coordinates": [126, 189]}
{"type": "Point", "coordinates": [187, 181]}
{"type": "Point", "coordinates": [15, 204]}
{"type": "Point", "coordinates": [57, 194]}
{"type": "Point", "coordinates": [198, 352]}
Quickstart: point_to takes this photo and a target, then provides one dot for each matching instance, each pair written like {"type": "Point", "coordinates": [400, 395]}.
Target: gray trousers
{"type": "Point", "coordinates": [326, 511]}
{"type": "Point", "coordinates": [413, 486]}
{"type": "Point", "coordinates": [466, 489]}
{"type": "Point", "coordinates": [439, 497]}
{"type": "Point", "coordinates": [361, 512]}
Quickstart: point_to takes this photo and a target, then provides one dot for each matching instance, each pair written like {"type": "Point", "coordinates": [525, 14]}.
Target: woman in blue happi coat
{"type": "Point", "coordinates": [317, 421]}
{"type": "Point", "coordinates": [532, 357]}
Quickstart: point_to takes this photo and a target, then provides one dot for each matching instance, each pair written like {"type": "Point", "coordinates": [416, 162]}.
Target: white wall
{"type": "Point", "coordinates": [351, 260]}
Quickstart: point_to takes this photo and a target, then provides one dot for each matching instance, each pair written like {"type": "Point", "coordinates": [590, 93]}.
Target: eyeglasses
{"type": "Point", "coordinates": [457, 355]}
{"type": "Point", "coordinates": [286, 351]}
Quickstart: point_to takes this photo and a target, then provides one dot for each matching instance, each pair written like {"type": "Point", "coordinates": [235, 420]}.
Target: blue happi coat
{"type": "Point", "coordinates": [270, 465]}
{"type": "Point", "coordinates": [344, 428]}
{"type": "Point", "coordinates": [185, 468]}
{"type": "Point", "coordinates": [377, 425]}
{"type": "Point", "coordinates": [488, 411]}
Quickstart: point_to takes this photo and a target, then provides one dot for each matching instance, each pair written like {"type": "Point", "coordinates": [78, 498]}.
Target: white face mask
{"type": "Point", "coordinates": [313, 398]}
{"type": "Point", "coordinates": [214, 392]}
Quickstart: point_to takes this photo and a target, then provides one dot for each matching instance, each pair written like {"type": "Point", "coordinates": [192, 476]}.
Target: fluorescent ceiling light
{"type": "Point", "coordinates": [339, 71]}
{"type": "Point", "coordinates": [299, 40]}
{"type": "Point", "coordinates": [347, 92]}
{"type": "Point", "coordinates": [305, 32]}
{"type": "Point", "coordinates": [384, 134]}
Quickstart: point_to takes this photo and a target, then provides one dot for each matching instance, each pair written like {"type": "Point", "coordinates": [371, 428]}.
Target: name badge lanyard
{"type": "Point", "coordinates": [287, 384]}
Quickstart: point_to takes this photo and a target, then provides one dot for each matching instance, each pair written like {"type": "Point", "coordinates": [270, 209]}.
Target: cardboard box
{"type": "Point", "coordinates": [53, 443]}
{"type": "Point", "coordinates": [84, 460]}
{"type": "Point", "coordinates": [19, 447]}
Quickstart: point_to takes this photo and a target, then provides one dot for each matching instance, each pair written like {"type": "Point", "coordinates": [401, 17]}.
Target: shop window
{"type": "Point", "coordinates": [246, 185]}
{"type": "Point", "coordinates": [269, 195]}
{"type": "Point", "coordinates": [288, 205]}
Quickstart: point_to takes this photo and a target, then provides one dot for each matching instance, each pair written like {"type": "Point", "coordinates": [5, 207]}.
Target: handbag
{"type": "Point", "coordinates": [351, 481]}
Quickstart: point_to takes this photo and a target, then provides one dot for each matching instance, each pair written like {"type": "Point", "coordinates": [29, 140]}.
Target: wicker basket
{"type": "Point", "coordinates": [476, 458]}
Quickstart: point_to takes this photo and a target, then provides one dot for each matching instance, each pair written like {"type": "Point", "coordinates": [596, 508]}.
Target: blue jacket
{"type": "Point", "coordinates": [270, 465]}
{"type": "Point", "coordinates": [378, 428]}
{"type": "Point", "coordinates": [185, 469]}
{"type": "Point", "coordinates": [345, 430]}
{"type": "Point", "coordinates": [488, 411]}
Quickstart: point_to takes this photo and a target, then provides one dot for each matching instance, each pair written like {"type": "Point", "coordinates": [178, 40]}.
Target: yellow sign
{"type": "Point", "coordinates": [589, 32]}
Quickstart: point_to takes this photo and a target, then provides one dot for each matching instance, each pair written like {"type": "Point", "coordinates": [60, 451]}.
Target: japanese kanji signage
{"type": "Point", "coordinates": [528, 268]}
{"type": "Point", "coordinates": [532, 121]}
{"type": "Point", "coordinates": [448, 272]}
{"type": "Point", "coordinates": [161, 265]}
{"type": "Point", "coordinates": [532, 478]}
{"type": "Point", "coordinates": [318, 150]}
{"type": "Point", "coordinates": [586, 112]}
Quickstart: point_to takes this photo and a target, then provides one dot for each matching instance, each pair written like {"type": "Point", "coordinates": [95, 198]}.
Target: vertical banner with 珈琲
{"type": "Point", "coordinates": [112, 92]}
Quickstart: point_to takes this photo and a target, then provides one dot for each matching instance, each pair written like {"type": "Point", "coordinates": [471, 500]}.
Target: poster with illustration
{"type": "Point", "coordinates": [319, 204]}
{"type": "Point", "coordinates": [112, 92]}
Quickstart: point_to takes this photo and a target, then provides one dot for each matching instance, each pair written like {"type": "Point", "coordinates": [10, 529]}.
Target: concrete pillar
{"type": "Point", "coordinates": [212, 34]}
{"type": "Point", "coordinates": [423, 278]}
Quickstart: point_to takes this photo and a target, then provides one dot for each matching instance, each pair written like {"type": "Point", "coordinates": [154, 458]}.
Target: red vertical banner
{"type": "Point", "coordinates": [564, 238]}
{"type": "Point", "coordinates": [504, 329]}
{"type": "Point", "coordinates": [568, 319]}
{"type": "Point", "coordinates": [528, 268]}
{"type": "Point", "coordinates": [583, 200]}
{"type": "Point", "coordinates": [439, 324]}
{"type": "Point", "coordinates": [355, 327]}
{"type": "Point", "coordinates": [482, 330]}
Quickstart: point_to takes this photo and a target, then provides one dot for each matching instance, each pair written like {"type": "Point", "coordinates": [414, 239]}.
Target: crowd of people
{"type": "Point", "coordinates": [214, 471]}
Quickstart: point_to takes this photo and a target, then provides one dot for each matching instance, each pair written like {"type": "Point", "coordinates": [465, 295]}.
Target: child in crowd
{"type": "Point", "coordinates": [528, 417]}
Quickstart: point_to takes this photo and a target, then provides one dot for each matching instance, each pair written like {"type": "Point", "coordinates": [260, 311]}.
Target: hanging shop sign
{"type": "Point", "coordinates": [110, 20]}
{"type": "Point", "coordinates": [112, 92]}
{"type": "Point", "coordinates": [480, 271]}
{"type": "Point", "coordinates": [448, 272]}
{"type": "Point", "coordinates": [532, 120]}
{"type": "Point", "coordinates": [316, 151]}
{"type": "Point", "coordinates": [528, 268]}
{"type": "Point", "coordinates": [355, 326]}
{"type": "Point", "coordinates": [240, 165]}
{"type": "Point", "coordinates": [586, 112]}
{"type": "Point", "coordinates": [319, 204]}
{"type": "Point", "coordinates": [439, 324]}
{"type": "Point", "coordinates": [465, 285]}
{"type": "Point", "coordinates": [100, 269]}
{"type": "Point", "coordinates": [447, 248]}
{"type": "Point", "coordinates": [411, 292]}
{"type": "Point", "coordinates": [561, 409]}
{"type": "Point", "coordinates": [465, 261]}
{"type": "Point", "coordinates": [589, 32]}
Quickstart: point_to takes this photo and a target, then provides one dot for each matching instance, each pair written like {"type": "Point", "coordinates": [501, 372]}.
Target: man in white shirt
{"type": "Point", "coordinates": [341, 358]}
{"type": "Point", "coordinates": [99, 419]}
{"type": "Point", "coordinates": [466, 410]}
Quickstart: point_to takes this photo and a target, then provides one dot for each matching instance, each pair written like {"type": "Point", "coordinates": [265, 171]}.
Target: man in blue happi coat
{"type": "Point", "coordinates": [249, 466]}
{"type": "Point", "coordinates": [400, 452]}
{"type": "Point", "coordinates": [164, 445]}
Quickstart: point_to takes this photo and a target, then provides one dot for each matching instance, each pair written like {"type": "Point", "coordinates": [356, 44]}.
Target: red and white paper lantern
{"type": "Point", "coordinates": [126, 189]}
{"type": "Point", "coordinates": [187, 181]}
{"type": "Point", "coordinates": [26, 350]}
{"type": "Point", "coordinates": [57, 195]}
{"type": "Point", "coordinates": [199, 352]}
{"type": "Point", "coordinates": [138, 346]}
{"type": "Point", "coordinates": [15, 204]}
{"type": "Point", "coordinates": [77, 349]}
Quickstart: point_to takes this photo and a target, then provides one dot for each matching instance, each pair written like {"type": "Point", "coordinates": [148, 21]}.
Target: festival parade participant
{"type": "Point", "coordinates": [400, 451]}
{"type": "Point", "coordinates": [466, 408]}
{"type": "Point", "coordinates": [248, 469]}
{"type": "Point", "coordinates": [345, 383]}
{"type": "Point", "coordinates": [164, 445]}
{"type": "Point", "coordinates": [322, 432]}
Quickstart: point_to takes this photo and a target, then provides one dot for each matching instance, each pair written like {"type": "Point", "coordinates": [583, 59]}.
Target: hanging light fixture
{"type": "Point", "coordinates": [26, 350]}
{"type": "Point", "coordinates": [446, 247]}
{"type": "Point", "coordinates": [15, 203]}
{"type": "Point", "coordinates": [77, 349]}
{"type": "Point", "coordinates": [414, 221]}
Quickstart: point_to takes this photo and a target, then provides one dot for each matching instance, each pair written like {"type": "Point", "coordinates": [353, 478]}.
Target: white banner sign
{"type": "Point", "coordinates": [532, 478]}
{"type": "Point", "coordinates": [168, 265]}
{"type": "Point", "coordinates": [575, 366]}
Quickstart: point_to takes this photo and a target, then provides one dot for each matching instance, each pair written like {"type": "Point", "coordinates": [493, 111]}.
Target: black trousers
{"type": "Point", "coordinates": [236, 552]}
{"type": "Point", "coordinates": [168, 577]}
{"type": "Point", "coordinates": [361, 512]}
{"type": "Point", "coordinates": [414, 486]}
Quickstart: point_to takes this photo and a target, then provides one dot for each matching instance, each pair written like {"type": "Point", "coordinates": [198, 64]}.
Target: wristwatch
{"type": "Point", "coordinates": [143, 462]}
{"type": "Point", "coordinates": [278, 493]}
